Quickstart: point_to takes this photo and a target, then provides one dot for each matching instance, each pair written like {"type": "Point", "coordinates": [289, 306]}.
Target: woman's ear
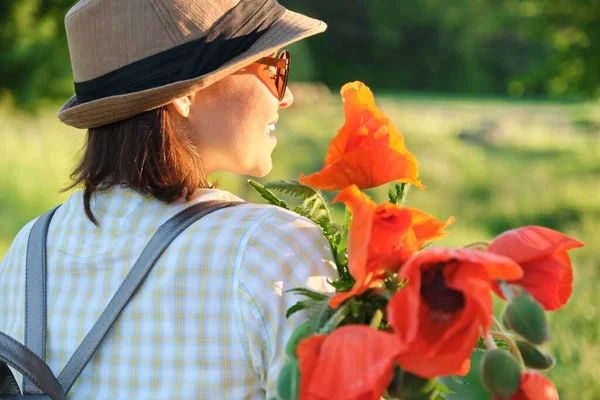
{"type": "Point", "coordinates": [182, 105]}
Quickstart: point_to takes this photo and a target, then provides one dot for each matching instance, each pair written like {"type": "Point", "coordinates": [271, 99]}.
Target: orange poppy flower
{"type": "Point", "coordinates": [542, 253]}
{"type": "Point", "coordinates": [381, 238]}
{"type": "Point", "coordinates": [534, 386]}
{"type": "Point", "coordinates": [354, 362]}
{"type": "Point", "coordinates": [445, 306]}
{"type": "Point", "coordinates": [368, 150]}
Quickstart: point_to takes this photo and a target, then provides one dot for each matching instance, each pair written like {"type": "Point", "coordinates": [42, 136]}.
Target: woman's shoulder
{"type": "Point", "coordinates": [18, 246]}
{"type": "Point", "coordinates": [273, 220]}
{"type": "Point", "coordinates": [287, 248]}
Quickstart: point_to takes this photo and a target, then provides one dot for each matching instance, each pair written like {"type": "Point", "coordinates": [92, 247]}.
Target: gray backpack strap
{"type": "Point", "coordinates": [29, 364]}
{"type": "Point", "coordinates": [165, 234]}
{"type": "Point", "coordinates": [35, 290]}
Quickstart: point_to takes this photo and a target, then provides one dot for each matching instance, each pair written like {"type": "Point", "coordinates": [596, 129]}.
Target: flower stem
{"type": "Point", "coordinates": [498, 325]}
{"type": "Point", "coordinates": [376, 320]}
{"type": "Point", "coordinates": [506, 290]}
{"type": "Point", "coordinates": [489, 342]}
{"type": "Point", "coordinates": [335, 320]}
{"type": "Point", "coordinates": [512, 346]}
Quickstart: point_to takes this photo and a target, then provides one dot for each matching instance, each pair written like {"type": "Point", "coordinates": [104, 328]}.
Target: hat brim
{"type": "Point", "coordinates": [290, 28]}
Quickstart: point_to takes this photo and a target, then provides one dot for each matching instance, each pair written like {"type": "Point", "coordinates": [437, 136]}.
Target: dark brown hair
{"type": "Point", "coordinates": [145, 153]}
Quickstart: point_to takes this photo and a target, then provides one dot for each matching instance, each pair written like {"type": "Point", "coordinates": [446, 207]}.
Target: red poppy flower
{"type": "Point", "coordinates": [445, 306]}
{"type": "Point", "coordinates": [535, 386]}
{"type": "Point", "coordinates": [354, 362]}
{"type": "Point", "coordinates": [368, 150]}
{"type": "Point", "coordinates": [542, 253]}
{"type": "Point", "coordinates": [382, 237]}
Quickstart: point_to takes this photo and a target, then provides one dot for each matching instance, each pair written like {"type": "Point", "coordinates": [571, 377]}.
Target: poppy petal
{"type": "Point", "coordinates": [535, 386]}
{"type": "Point", "coordinates": [496, 266]}
{"type": "Point", "coordinates": [530, 243]}
{"type": "Point", "coordinates": [353, 362]}
{"type": "Point", "coordinates": [367, 151]}
{"type": "Point", "coordinates": [367, 167]}
{"type": "Point", "coordinates": [308, 355]}
{"type": "Point", "coordinates": [448, 357]}
{"type": "Point", "coordinates": [439, 326]}
{"type": "Point", "coordinates": [362, 209]}
{"type": "Point", "coordinates": [549, 280]}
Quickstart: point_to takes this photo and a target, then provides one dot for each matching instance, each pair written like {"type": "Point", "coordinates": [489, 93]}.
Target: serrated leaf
{"type": "Point", "coordinates": [392, 196]}
{"type": "Point", "coordinates": [344, 284]}
{"type": "Point", "coordinates": [467, 387]}
{"type": "Point", "coordinates": [267, 195]}
{"type": "Point", "coordinates": [299, 306]}
{"type": "Point", "coordinates": [308, 293]}
{"type": "Point", "coordinates": [314, 207]}
{"type": "Point", "coordinates": [293, 188]}
{"type": "Point", "coordinates": [398, 194]}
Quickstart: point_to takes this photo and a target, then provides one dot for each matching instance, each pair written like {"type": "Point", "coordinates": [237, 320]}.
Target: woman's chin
{"type": "Point", "coordinates": [263, 169]}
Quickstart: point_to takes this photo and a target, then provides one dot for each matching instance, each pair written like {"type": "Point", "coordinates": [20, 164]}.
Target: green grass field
{"type": "Point", "coordinates": [492, 164]}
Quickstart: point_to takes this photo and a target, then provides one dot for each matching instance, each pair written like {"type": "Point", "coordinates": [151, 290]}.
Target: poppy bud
{"type": "Point", "coordinates": [534, 357]}
{"type": "Point", "coordinates": [500, 373]}
{"type": "Point", "coordinates": [526, 317]}
{"type": "Point", "coordinates": [407, 386]}
{"type": "Point", "coordinates": [301, 332]}
{"type": "Point", "coordinates": [289, 381]}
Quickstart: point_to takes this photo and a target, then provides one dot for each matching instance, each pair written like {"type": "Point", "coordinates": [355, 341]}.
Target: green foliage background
{"type": "Point", "coordinates": [501, 47]}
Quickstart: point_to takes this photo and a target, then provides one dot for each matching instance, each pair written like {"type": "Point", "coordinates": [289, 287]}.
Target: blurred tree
{"type": "Point", "coordinates": [34, 58]}
{"type": "Point", "coordinates": [568, 31]}
{"type": "Point", "coordinates": [515, 47]}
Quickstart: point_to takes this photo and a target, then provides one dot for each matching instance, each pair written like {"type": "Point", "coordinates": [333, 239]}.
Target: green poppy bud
{"type": "Point", "coordinates": [534, 357]}
{"type": "Point", "coordinates": [500, 373]}
{"type": "Point", "coordinates": [288, 384]}
{"type": "Point", "coordinates": [301, 332]}
{"type": "Point", "coordinates": [526, 317]}
{"type": "Point", "coordinates": [407, 386]}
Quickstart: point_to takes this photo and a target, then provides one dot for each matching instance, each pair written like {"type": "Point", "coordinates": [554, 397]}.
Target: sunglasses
{"type": "Point", "coordinates": [278, 78]}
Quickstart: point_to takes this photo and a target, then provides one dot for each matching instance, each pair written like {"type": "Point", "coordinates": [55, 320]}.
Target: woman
{"type": "Point", "coordinates": [170, 92]}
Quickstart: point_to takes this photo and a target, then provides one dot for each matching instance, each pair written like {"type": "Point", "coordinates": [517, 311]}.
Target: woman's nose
{"type": "Point", "coordinates": [288, 99]}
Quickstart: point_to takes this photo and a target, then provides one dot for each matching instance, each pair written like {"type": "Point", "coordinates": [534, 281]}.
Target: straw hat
{"type": "Point", "coordinates": [130, 56]}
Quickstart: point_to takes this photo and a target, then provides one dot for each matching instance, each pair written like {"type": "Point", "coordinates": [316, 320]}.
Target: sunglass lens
{"type": "Point", "coordinates": [282, 77]}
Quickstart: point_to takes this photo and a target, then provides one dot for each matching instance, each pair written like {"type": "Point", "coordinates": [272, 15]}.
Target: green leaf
{"type": "Point", "coordinates": [467, 387]}
{"type": "Point", "coordinates": [308, 293]}
{"type": "Point", "coordinates": [299, 306]}
{"type": "Point", "coordinates": [398, 196]}
{"type": "Point", "coordinates": [314, 206]}
{"type": "Point", "coordinates": [293, 188]}
{"type": "Point", "coordinates": [267, 195]}
{"type": "Point", "coordinates": [392, 196]}
{"type": "Point", "coordinates": [344, 283]}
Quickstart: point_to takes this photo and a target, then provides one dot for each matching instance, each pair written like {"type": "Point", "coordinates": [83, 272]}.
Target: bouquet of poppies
{"type": "Point", "coordinates": [410, 321]}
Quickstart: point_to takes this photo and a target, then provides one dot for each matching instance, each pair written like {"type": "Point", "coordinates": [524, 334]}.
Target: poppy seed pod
{"type": "Point", "coordinates": [526, 317]}
{"type": "Point", "coordinates": [301, 332]}
{"type": "Point", "coordinates": [500, 373]}
{"type": "Point", "coordinates": [534, 357]}
{"type": "Point", "coordinates": [289, 381]}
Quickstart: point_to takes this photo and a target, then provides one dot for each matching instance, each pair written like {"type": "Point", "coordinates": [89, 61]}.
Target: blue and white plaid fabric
{"type": "Point", "coordinates": [209, 321]}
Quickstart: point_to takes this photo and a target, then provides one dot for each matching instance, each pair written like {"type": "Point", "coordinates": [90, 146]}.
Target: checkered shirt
{"type": "Point", "coordinates": [209, 320]}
